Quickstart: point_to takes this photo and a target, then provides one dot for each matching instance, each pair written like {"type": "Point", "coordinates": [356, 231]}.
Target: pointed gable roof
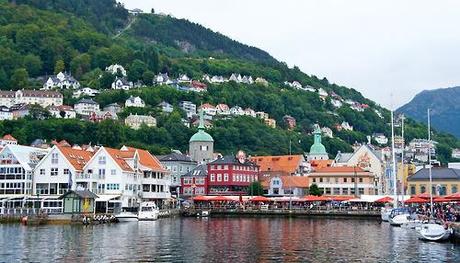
{"type": "Point", "coordinates": [77, 158]}
{"type": "Point", "coordinates": [9, 137]}
{"type": "Point", "coordinates": [145, 158]}
{"type": "Point", "coordinates": [119, 157]}
{"type": "Point", "coordinates": [283, 163]}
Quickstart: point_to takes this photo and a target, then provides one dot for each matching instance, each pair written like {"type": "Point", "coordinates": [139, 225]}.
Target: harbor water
{"type": "Point", "coordinates": [222, 240]}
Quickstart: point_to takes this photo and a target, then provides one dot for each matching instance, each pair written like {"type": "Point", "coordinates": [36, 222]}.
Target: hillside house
{"type": "Point", "coordinates": [122, 84]}
{"type": "Point", "coordinates": [116, 69]}
{"type": "Point", "coordinates": [289, 121]}
{"type": "Point", "coordinates": [188, 107]}
{"type": "Point", "coordinates": [136, 121]}
{"type": "Point", "coordinates": [135, 102]}
{"type": "Point", "coordinates": [86, 107]}
{"type": "Point", "coordinates": [222, 109]}
{"type": "Point", "coordinates": [166, 107]}
{"type": "Point", "coordinates": [61, 81]}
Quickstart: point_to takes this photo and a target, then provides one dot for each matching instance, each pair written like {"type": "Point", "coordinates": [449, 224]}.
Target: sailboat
{"type": "Point", "coordinates": [432, 231]}
{"type": "Point", "coordinates": [397, 216]}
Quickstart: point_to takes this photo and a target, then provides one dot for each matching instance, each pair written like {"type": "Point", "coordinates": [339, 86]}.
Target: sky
{"type": "Point", "coordinates": [388, 50]}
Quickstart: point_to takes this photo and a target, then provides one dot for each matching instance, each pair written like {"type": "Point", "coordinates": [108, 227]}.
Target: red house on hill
{"type": "Point", "coordinates": [231, 175]}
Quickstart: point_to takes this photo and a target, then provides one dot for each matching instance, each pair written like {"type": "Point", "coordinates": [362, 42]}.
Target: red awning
{"type": "Point", "coordinates": [221, 199]}
{"type": "Point", "coordinates": [385, 199]}
{"type": "Point", "coordinates": [260, 199]}
{"type": "Point", "coordinates": [424, 196]}
{"type": "Point", "coordinates": [340, 198]}
{"type": "Point", "coordinates": [200, 198]}
{"type": "Point", "coordinates": [314, 198]}
{"type": "Point", "coordinates": [441, 200]}
{"type": "Point", "coordinates": [415, 200]}
{"type": "Point", "coordinates": [453, 197]}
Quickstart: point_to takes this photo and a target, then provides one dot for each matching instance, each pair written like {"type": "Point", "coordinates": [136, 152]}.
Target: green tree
{"type": "Point", "coordinates": [33, 64]}
{"type": "Point", "coordinates": [19, 79]}
{"type": "Point", "coordinates": [37, 112]}
{"type": "Point", "coordinates": [110, 133]}
{"type": "Point", "coordinates": [314, 190]}
{"type": "Point", "coordinates": [80, 65]}
{"type": "Point", "coordinates": [136, 70]}
{"type": "Point", "coordinates": [59, 66]}
{"type": "Point", "coordinates": [255, 188]}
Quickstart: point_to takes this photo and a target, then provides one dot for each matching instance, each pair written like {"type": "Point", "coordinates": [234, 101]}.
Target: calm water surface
{"type": "Point", "coordinates": [222, 240]}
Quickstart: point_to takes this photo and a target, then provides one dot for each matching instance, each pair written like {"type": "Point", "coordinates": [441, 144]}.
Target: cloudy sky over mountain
{"type": "Point", "coordinates": [377, 47]}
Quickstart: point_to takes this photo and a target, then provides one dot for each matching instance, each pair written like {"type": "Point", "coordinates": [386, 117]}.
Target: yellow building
{"type": "Point", "coordinates": [445, 181]}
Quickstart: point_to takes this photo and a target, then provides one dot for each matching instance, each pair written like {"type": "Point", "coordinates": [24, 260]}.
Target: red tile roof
{"type": "Point", "coordinates": [283, 163]}
{"type": "Point", "coordinates": [145, 158]}
{"type": "Point", "coordinates": [289, 182]}
{"type": "Point", "coordinates": [339, 169]}
{"type": "Point", "coordinates": [78, 158]}
{"type": "Point", "coordinates": [119, 157]}
{"type": "Point", "coordinates": [9, 137]}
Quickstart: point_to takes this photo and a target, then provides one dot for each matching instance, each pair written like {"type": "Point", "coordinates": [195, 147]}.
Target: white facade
{"type": "Point", "coordinates": [5, 113]}
{"type": "Point", "coordinates": [86, 107]}
{"type": "Point", "coordinates": [40, 97]}
{"type": "Point", "coordinates": [336, 103]}
{"type": "Point", "coordinates": [208, 109]}
{"type": "Point", "coordinates": [136, 121]}
{"type": "Point", "coordinates": [166, 107]}
{"type": "Point", "coordinates": [115, 68]}
{"type": "Point", "coordinates": [65, 112]}
{"type": "Point", "coordinates": [250, 112]}
{"type": "Point", "coordinates": [122, 84]}
{"type": "Point", "coordinates": [135, 102]}
{"type": "Point", "coordinates": [85, 92]}
{"type": "Point", "coordinates": [236, 111]}
{"type": "Point", "coordinates": [188, 107]}
{"type": "Point", "coordinates": [16, 169]}
{"type": "Point", "coordinates": [61, 81]}
{"type": "Point", "coordinates": [222, 109]}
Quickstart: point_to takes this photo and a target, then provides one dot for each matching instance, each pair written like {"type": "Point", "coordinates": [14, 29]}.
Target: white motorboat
{"type": "Point", "coordinates": [399, 216]}
{"type": "Point", "coordinates": [148, 211]}
{"type": "Point", "coordinates": [126, 217]}
{"type": "Point", "coordinates": [385, 213]}
{"type": "Point", "coordinates": [413, 224]}
{"type": "Point", "coordinates": [434, 232]}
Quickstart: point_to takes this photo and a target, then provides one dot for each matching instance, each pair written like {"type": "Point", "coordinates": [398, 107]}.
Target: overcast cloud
{"type": "Point", "coordinates": [377, 47]}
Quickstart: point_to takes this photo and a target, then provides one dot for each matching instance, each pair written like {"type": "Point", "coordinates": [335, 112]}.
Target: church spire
{"type": "Point", "coordinates": [201, 126]}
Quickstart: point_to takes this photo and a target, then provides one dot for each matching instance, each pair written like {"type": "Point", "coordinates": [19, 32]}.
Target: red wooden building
{"type": "Point", "coordinates": [231, 175]}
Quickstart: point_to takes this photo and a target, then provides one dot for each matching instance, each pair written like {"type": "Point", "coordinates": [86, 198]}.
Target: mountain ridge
{"type": "Point", "coordinates": [443, 104]}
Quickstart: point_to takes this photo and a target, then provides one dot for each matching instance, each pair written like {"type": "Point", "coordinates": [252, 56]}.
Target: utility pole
{"type": "Point", "coordinates": [403, 190]}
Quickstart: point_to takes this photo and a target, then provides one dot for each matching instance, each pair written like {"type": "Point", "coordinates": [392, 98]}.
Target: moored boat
{"type": "Point", "coordinates": [385, 213]}
{"type": "Point", "coordinates": [399, 216]}
{"type": "Point", "coordinates": [148, 211]}
{"type": "Point", "coordinates": [434, 232]}
{"type": "Point", "coordinates": [126, 217]}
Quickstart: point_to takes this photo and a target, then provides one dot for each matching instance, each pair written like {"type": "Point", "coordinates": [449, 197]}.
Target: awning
{"type": "Point", "coordinates": [105, 198]}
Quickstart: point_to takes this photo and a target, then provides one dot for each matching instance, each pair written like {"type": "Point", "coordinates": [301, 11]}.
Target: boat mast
{"type": "Point", "coordinates": [395, 191]}
{"type": "Point", "coordinates": [402, 160]}
{"type": "Point", "coordinates": [429, 165]}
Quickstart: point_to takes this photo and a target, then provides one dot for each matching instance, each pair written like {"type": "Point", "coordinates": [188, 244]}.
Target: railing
{"type": "Point", "coordinates": [29, 211]}
{"type": "Point", "coordinates": [86, 176]}
{"type": "Point", "coordinates": [237, 207]}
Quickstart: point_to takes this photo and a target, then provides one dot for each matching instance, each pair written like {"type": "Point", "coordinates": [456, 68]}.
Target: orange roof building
{"type": "Point", "coordinates": [8, 139]}
{"type": "Point", "coordinates": [282, 165]}
{"type": "Point", "coordinates": [343, 180]}
{"type": "Point", "coordinates": [286, 185]}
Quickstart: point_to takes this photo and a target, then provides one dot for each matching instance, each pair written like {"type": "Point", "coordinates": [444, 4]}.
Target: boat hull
{"type": "Point", "coordinates": [399, 220]}
{"type": "Point", "coordinates": [127, 218]}
{"type": "Point", "coordinates": [434, 232]}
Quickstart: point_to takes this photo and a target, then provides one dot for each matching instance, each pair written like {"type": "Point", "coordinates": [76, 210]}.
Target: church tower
{"type": "Point", "coordinates": [201, 144]}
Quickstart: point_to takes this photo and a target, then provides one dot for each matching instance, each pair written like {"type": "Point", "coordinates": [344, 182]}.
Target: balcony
{"type": "Point", "coordinates": [86, 177]}
{"type": "Point", "coordinates": [155, 195]}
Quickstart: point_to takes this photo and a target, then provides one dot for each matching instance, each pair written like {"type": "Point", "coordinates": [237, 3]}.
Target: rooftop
{"type": "Point", "coordinates": [437, 173]}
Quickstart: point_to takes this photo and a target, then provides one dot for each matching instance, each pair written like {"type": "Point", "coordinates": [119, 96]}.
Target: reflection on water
{"type": "Point", "coordinates": [223, 240]}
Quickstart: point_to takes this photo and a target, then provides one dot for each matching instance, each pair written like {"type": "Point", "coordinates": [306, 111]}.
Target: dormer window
{"type": "Point", "coordinates": [102, 160]}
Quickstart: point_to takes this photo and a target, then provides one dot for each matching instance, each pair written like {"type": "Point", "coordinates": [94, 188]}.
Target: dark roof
{"type": "Point", "coordinates": [87, 101]}
{"type": "Point", "coordinates": [175, 157]}
{"type": "Point", "coordinates": [440, 173]}
{"type": "Point", "coordinates": [82, 194]}
{"type": "Point", "coordinates": [230, 159]}
{"type": "Point", "coordinates": [201, 171]}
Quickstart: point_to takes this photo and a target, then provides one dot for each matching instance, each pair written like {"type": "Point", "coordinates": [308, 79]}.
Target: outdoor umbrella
{"type": "Point", "coordinates": [385, 199]}
{"type": "Point", "coordinates": [314, 198]}
{"type": "Point", "coordinates": [200, 198]}
{"type": "Point", "coordinates": [453, 197]}
{"type": "Point", "coordinates": [220, 199]}
{"type": "Point", "coordinates": [415, 200]}
{"type": "Point", "coordinates": [260, 199]}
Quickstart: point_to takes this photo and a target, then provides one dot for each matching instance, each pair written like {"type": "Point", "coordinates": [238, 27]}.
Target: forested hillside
{"type": "Point", "coordinates": [39, 38]}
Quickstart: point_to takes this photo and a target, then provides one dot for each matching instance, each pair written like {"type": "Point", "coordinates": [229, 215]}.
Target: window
{"type": "Point", "coordinates": [219, 177]}
{"type": "Point", "coordinates": [113, 172]}
{"type": "Point", "coordinates": [361, 191]}
{"type": "Point", "coordinates": [345, 180]}
{"type": "Point", "coordinates": [212, 178]}
{"type": "Point", "coordinates": [345, 191]}
{"type": "Point", "coordinates": [336, 180]}
{"type": "Point", "coordinates": [454, 189]}
{"type": "Point", "coordinates": [422, 189]}
{"type": "Point", "coordinates": [199, 181]}
{"type": "Point", "coordinates": [42, 171]}
{"type": "Point", "coordinates": [54, 171]}
{"type": "Point", "coordinates": [321, 179]}
{"type": "Point", "coordinates": [412, 190]}
{"type": "Point", "coordinates": [101, 173]}
{"type": "Point", "coordinates": [66, 171]}
{"type": "Point", "coordinates": [102, 160]}
{"type": "Point", "coordinates": [54, 158]}
{"type": "Point", "coordinates": [336, 191]}
{"type": "Point", "coordinates": [352, 180]}
{"type": "Point", "coordinates": [225, 177]}
{"type": "Point", "coordinates": [146, 187]}
{"type": "Point", "coordinates": [187, 181]}
{"type": "Point", "coordinates": [328, 191]}
{"type": "Point", "coordinates": [361, 180]}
